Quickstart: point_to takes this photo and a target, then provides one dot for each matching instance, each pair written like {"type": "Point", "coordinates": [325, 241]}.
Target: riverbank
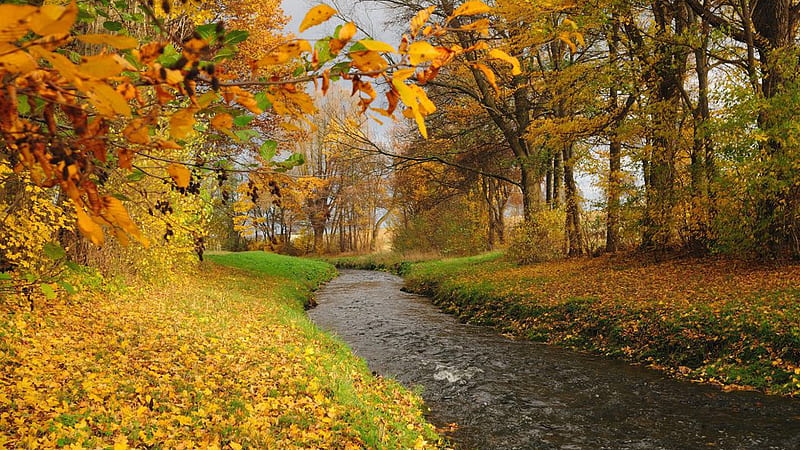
{"type": "Point", "coordinates": [724, 322]}
{"type": "Point", "coordinates": [224, 359]}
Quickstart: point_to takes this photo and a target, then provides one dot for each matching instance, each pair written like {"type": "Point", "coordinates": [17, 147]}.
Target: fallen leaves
{"type": "Point", "coordinates": [222, 360]}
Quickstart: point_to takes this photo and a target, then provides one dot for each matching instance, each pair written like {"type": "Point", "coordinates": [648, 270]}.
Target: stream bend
{"type": "Point", "coordinates": [512, 394]}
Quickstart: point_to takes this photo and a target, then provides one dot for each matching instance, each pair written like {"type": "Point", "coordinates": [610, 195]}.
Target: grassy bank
{"type": "Point", "coordinates": [225, 359]}
{"type": "Point", "coordinates": [718, 321]}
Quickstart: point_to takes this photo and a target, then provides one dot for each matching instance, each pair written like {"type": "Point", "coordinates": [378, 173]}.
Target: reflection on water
{"type": "Point", "coordinates": [511, 394]}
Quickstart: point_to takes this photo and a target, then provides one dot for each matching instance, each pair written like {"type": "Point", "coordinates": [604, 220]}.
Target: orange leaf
{"type": "Point", "coordinates": [180, 174]}
{"type": "Point", "coordinates": [137, 132]}
{"type": "Point", "coordinates": [88, 227]}
{"type": "Point", "coordinates": [347, 32]}
{"type": "Point", "coordinates": [117, 215]}
{"type": "Point", "coordinates": [181, 123]}
{"type": "Point", "coordinates": [285, 53]}
{"type": "Point", "coordinates": [490, 76]}
{"type": "Point", "coordinates": [222, 121]}
{"type": "Point", "coordinates": [54, 19]}
{"type": "Point", "coordinates": [419, 20]}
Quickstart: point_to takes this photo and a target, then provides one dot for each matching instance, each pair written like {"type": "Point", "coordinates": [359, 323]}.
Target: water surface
{"type": "Point", "coordinates": [514, 394]}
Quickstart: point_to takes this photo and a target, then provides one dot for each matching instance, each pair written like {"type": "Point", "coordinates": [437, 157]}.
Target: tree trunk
{"type": "Point", "coordinates": [614, 158]}
{"type": "Point", "coordinates": [574, 232]}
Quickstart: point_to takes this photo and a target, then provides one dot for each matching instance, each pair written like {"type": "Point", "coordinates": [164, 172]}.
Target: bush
{"type": "Point", "coordinates": [537, 240]}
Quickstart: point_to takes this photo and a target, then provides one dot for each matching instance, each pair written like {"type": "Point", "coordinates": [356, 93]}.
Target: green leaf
{"type": "Point", "coordinates": [235, 36]}
{"type": "Point", "coordinates": [208, 32]}
{"type": "Point", "coordinates": [357, 47]}
{"type": "Point", "coordinates": [263, 102]}
{"type": "Point", "coordinates": [111, 25]}
{"type": "Point", "coordinates": [48, 291]}
{"type": "Point", "coordinates": [5, 276]}
{"type": "Point", "coordinates": [245, 135]}
{"type": "Point", "coordinates": [54, 251]}
{"type": "Point", "coordinates": [268, 150]}
{"type": "Point", "coordinates": [169, 57]}
{"type": "Point", "coordinates": [137, 175]}
{"type": "Point", "coordinates": [342, 67]}
{"type": "Point", "coordinates": [225, 53]}
{"type": "Point", "coordinates": [120, 197]}
{"type": "Point", "coordinates": [295, 160]}
{"type": "Point", "coordinates": [67, 287]}
{"type": "Point", "coordinates": [323, 48]}
{"type": "Point", "coordinates": [243, 120]}
{"type": "Point", "coordinates": [23, 107]}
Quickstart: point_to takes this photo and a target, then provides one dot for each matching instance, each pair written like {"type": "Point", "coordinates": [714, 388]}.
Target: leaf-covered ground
{"type": "Point", "coordinates": [721, 321]}
{"type": "Point", "coordinates": [225, 359]}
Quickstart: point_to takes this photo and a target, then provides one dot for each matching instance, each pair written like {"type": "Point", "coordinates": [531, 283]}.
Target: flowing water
{"type": "Point", "coordinates": [512, 394]}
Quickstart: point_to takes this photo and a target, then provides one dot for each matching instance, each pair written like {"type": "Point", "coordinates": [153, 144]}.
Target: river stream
{"type": "Point", "coordinates": [516, 394]}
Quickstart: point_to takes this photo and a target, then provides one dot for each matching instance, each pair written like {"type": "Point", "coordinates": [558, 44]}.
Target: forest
{"type": "Point", "coordinates": [628, 173]}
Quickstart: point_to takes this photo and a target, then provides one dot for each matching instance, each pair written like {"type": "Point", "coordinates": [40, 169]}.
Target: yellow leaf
{"type": "Point", "coordinates": [17, 61]}
{"type": "Point", "coordinates": [368, 61]}
{"type": "Point", "coordinates": [503, 56]}
{"type": "Point", "coordinates": [14, 21]}
{"type": "Point", "coordinates": [403, 74]}
{"type": "Point", "coordinates": [222, 121]}
{"type": "Point", "coordinates": [565, 37]}
{"type": "Point", "coordinates": [180, 174]}
{"type": "Point", "coordinates": [409, 98]}
{"type": "Point", "coordinates": [54, 19]}
{"type": "Point", "coordinates": [108, 101]}
{"type": "Point", "coordinates": [347, 32]}
{"type": "Point", "coordinates": [285, 52]}
{"type": "Point", "coordinates": [316, 16]}
{"type": "Point", "coordinates": [471, 8]}
{"type": "Point", "coordinates": [426, 106]}
{"type": "Point", "coordinates": [88, 227]}
{"type": "Point", "coordinates": [117, 215]}
{"type": "Point", "coordinates": [113, 40]}
{"type": "Point", "coordinates": [490, 76]}
{"type": "Point", "coordinates": [377, 46]}
{"type": "Point", "coordinates": [420, 52]}
{"type": "Point", "coordinates": [181, 123]}
{"type": "Point", "coordinates": [235, 446]}
{"type": "Point", "coordinates": [419, 20]}
{"type": "Point", "coordinates": [103, 66]}
{"type": "Point", "coordinates": [481, 25]}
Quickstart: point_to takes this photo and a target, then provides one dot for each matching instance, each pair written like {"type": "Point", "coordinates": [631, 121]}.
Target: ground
{"type": "Point", "coordinates": [223, 358]}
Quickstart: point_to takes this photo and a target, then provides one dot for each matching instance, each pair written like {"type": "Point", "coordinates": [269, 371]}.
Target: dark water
{"type": "Point", "coordinates": [510, 394]}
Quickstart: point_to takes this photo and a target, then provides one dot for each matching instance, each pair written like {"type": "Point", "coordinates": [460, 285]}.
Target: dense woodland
{"type": "Point", "coordinates": [681, 113]}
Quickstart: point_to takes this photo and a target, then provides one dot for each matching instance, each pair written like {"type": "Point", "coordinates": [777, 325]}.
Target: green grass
{"type": "Point", "coordinates": [385, 414]}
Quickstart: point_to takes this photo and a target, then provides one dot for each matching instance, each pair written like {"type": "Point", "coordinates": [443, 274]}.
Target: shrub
{"type": "Point", "coordinates": [537, 240]}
